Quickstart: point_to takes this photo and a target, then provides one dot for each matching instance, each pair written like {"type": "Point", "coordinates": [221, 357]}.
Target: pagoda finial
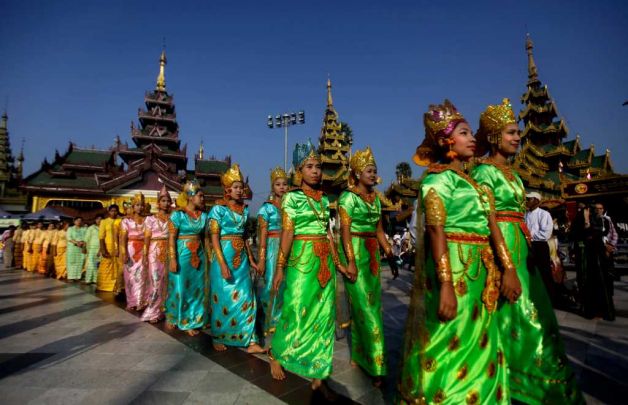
{"type": "Point", "coordinates": [330, 101]}
{"type": "Point", "coordinates": [200, 151]}
{"type": "Point", "coordinates": [161, 78]}
{"type": "Point", "coordinates": [5, 118]}
{"type": "Point", "coordinates": [533, 75]}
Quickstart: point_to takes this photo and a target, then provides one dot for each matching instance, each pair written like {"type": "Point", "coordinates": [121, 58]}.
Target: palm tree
{"type": "Point", "coordinates": [403, 171]}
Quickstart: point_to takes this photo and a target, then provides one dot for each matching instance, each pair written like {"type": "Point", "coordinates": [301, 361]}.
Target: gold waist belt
{"type": "Point", "coordinates": [463, 237]}
{"type": "Point", "coordinates": [162, 238]}
{"type": "Point", "coordinates": [273, 234]}
{"type": "Point", "coordinates": [197, 237]}
{"type": "Point", "coordinates": [136, 239]}
{"type": "Point", "coordinates": [231, 237]}
{"type": "Point", "coordinates": [310, 237]}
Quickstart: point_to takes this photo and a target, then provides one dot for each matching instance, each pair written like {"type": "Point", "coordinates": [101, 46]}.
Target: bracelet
{"type": "Point", "coordinates": [349, 252]}
{"type": "Point", "coordinates": [281, 259]}
{"type": "Point", "coordinates": [443, 269]}
{"type": "Point", "coordinates": [504, 257]}
{"type": "Point", "coordinates": [262, 254]}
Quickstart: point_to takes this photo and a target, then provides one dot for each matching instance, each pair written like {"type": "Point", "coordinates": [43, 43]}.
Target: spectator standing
{"type": "Point", "coordinates": [540, 225]}
{"type": "Point", "coordinates": [7, 243]}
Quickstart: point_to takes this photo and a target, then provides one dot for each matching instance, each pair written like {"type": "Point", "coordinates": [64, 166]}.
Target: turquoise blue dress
{"type": "Point", "coordinates": [186, 304]}
{"type": "Point", "coordinates": [269, 216]}
{"type": "Point", "coordinates": [233, 305]}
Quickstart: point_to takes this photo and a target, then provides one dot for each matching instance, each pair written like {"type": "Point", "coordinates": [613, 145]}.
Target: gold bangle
{"type": "Point", "coordinates": [262, 254]}
{"type": "Point", "coordinates": [443, 269]}
{"type": "Point", "coordinates": [281, 258]}
{"type": "Point", "coordinates": [504, 257]}
{"type": "Point", "coordinates": [349, 252]}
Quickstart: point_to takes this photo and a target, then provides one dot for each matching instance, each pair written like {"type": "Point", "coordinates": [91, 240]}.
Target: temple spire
{"type": "Point", "coordinates": [161, 78]}
{"type": "Point", "coordinates": [533, 75]}
{"type": "Point", "coordinates": [5, 118]}
{"type": "Point", "coordinates": [200, 151]}
{"type": "Point", "coordinates": [330, 101]}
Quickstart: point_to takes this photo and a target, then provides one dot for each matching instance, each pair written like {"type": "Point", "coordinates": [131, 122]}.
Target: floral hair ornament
{"type": "Point", "coordinates": [440, 121]}
{"type": "Point", "coordinates": [493, 120]}
{"type": "Point", "coordinates": [358, 162]}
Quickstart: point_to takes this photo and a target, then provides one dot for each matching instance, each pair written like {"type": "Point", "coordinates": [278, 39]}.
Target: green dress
{"type": "Point", "coordinates": [304, 340]}
{"type": "Point", "coordinates": [93, 247]}
{"type": "Point", "coordinates": [538, 368]}
{"type": "Point", "coordinates": [365, 294]}
{"type": "Point", "coordinates": [459, 361]}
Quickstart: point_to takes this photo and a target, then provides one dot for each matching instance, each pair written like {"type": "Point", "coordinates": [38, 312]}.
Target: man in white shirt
{"type": "Point", "coordinates": [540, 225]}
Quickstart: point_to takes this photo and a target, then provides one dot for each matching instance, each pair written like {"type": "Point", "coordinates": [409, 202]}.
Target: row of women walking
{"type": "Point", "coordinates": [480, 326]}
{"type": "Point", "coordinates": [57, 249]}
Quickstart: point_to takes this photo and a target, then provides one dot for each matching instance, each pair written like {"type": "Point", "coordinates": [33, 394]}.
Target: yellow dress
{"type": "Point", "coordinates": [60, 239]}
{"type": "Point", "coordinates": [42, 263]}
{"type": "Point", "coordinates": [26, 252]}
{"type": "Point", "coordinates": [38, 239]}
{"type": "Point", "coordinates": [110, 268]}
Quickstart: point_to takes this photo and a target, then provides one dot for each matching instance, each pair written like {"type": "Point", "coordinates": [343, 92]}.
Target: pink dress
{"type": "Point", "coordinates": [134, 271]}
{"type": "Point", "coordinates": [157, 226]}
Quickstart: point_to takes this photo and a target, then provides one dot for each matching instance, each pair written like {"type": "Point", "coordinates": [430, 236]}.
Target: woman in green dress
{"type": "Point", "coordinates": [452, 352]}
{"type": "Point", "coordinates": [362, 235]}
{"type": "Point", "coordinates": [304, 340]}
{"type": "Point", "coordinates": [538, 368]}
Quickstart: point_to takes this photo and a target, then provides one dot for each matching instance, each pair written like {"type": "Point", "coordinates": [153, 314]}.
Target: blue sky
{"type": "Point", "coordinates": [77, 70]}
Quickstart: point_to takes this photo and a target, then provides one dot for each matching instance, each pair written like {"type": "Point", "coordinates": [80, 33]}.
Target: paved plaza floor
{"type": "Point", "coordinates": [63, 343]}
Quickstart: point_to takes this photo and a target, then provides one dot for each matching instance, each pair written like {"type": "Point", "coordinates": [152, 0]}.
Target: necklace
{"type": "Point", "coordinates": [438, 168]}
{"type": "Point", "coordinates": [367, 198]}
{"type": "Point", "coordinates": [519, 191]}
{"type": "Point", "coordinates": [320, 217]}
{"type": "Point", "coordinates": [313, 194]}
{"type": "Point", "coordinates": [239, 224]}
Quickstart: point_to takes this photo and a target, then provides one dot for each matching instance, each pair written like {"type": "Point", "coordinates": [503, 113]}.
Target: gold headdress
{"type": "Point", "coordinates": [492, 122]}
{"type": "Point", "coordinates": [232, 175]}
{"type": "Point", "coordinates": [163, 193]}
{"type": "Point", "coordinates": [277, 173]}
{"type": "Point", "coordinates": [440, 121]}
{"type": "Point", "coordinates": [190, 189]}
{"type": "Point", "coordinates": [358, 163]}
{"type": "Point", "coordinates": [137, 199]}
{"type": "Point", "coordinates": [301, 154]}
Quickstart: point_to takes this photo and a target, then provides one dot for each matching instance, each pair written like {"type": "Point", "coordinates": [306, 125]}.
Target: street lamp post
{"type": "Point", "coordinates": [284, 121]}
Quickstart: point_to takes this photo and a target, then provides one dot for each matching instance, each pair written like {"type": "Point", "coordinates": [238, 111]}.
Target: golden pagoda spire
{"type": "Point", "coordinates": [330, 101]}
{"type": "Point", "coordinates": [200, 151]}
{"type": "Point", "coordinates": [532, 71]}
{"type": "Point", "coordinates": [161, 78]}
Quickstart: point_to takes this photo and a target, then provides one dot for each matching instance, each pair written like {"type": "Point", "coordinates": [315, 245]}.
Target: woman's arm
{"type": "Point", "coordinates": [214, 229]}
{"type": "Point", "coordinates": [285, 245]}
{"type": "Point", "coordinates": [262, 230]}
{"type": "Point", "coordinates": [351, 271]}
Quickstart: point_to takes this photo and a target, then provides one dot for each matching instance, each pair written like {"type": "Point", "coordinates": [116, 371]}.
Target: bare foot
{"type": "Point", "coordinates": [192, 332]}
{"type": "Point", "coordinates": [321, 387]}
{"type": "Point", "coordinates": [219, 347]}
{"type": "Point", "coordinates": [377, 382]}
{"type": "Point", "coordinates": [169, 326]}
{"type": "Point", "coordinates": [154, 321]}
{"type": "Point", "coordinates": [354, 364]}
{"type": "Point", "coordinates": [141, 308]}
{"type": "Point", "coordinates": [276, 370]}
{"type": "Point", "coordinates": [255, 349]}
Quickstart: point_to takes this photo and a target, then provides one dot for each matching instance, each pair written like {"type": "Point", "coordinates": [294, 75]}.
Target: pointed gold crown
{"type": "Point", "coordinates": [496, 117]}
{"type": "Point", "coordinates": [440, 120]}
{"type": "Point", "coordinates": [492, 122]}
{"type": "Point", "coordinates": [232, 175]}
{"type": "Point", "coordinates": [163, 192]}
{"type": "Point", "coordinates": [277, 173]}
{"type": "Point", "coordinates": [137, 198]}
{"type": "Point", "coordinates": [361, 159]}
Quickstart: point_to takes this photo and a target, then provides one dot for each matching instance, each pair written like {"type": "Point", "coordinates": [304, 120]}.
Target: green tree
{"type": "Point", "coordinates": [346, 129]}
{"type": "Point", "coordinates": [403, 171]}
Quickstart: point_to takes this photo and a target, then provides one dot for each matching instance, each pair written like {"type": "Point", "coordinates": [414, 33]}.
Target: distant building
{"type": "Point", "coordinates": [12, 199]}
{"type": "Point", "coordinates": [88, 180]}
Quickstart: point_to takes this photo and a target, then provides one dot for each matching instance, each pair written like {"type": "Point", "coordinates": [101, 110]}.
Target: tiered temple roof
{"type": "Point", "coordinates": [11, 198]}
{"type": "Point", "coordinates": [546, 162]}
{"type": "Point", "coordinates": [155, 158]}
{"type": "Point", "coordinates": [334, 149]}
